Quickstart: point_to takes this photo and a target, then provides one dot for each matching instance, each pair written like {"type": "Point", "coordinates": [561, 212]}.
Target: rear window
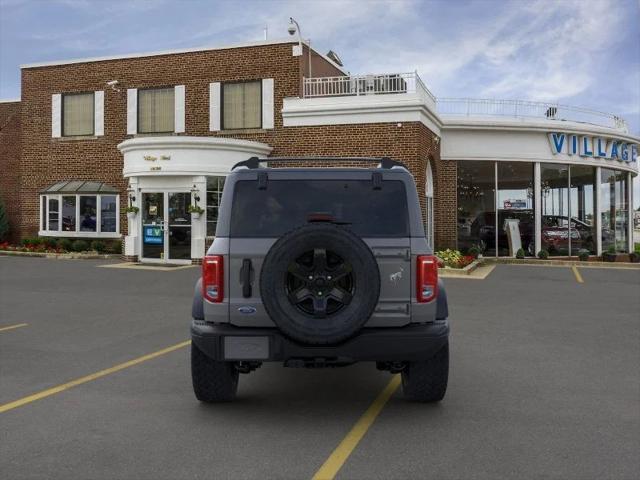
{"type": "Point", "coordinates": [285, 205]}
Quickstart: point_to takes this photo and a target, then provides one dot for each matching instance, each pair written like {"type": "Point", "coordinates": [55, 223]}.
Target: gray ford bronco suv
{"type": "Point", "coordinates": [319, 267]}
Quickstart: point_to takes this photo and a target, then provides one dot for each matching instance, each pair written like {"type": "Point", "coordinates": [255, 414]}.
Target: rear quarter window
{"type": "Point", "coordinates": [286, 204]}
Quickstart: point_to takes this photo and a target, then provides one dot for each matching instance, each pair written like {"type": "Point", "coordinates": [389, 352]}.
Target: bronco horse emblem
{"type": "Point", "coordinates": [394, 277]}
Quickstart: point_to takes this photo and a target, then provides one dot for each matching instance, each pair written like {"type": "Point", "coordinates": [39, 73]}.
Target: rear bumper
{"type": "Point", "coordinates": [410, 343]}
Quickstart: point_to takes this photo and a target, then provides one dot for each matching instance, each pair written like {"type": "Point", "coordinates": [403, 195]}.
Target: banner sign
{"type": "Point", "coordinates": [153, 235]}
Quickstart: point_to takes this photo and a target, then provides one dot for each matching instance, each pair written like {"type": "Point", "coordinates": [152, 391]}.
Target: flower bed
{"type": "Point", "coordinates": [62, 246]}
{"type": "Point", "coordinates": [454, 259]}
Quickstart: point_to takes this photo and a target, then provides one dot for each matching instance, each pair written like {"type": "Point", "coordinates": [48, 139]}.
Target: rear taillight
{"type": "Point", "coordinates": [426, 278]}
{"type": "Point", "coordinates": [213, 278]}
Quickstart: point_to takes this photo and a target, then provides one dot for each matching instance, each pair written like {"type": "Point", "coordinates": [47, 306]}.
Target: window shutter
{"type": "Point", "coordinates": [132, 111]}
{"type": "Point", "coordinates": [267, 103]}
{"type": "Point", "coordinates": [214, 107]}
{"type": "Point", "coordinates": [56, 115]}
{"type": "Point", "coordinates": [98, 111]}
{"type": "Point", "coordinates": [179, 108]}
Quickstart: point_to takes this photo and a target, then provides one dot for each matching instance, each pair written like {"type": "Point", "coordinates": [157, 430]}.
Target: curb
{"type": "Point", "coordinates": [62, 256]}
{"type": "Point", "coordinates": [461, 272]}
{"type": "Point", "coordinates": [563, 263]}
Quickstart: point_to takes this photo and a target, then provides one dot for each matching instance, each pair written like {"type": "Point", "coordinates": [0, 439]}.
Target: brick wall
{"type": "Point", "coordinates": [46, 160]}
{"type": "Point", "coordinates": [10, 163]}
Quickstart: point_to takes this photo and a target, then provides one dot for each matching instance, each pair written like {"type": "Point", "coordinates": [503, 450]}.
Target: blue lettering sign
{"type": "Point", "coordinates": [586, 148]}
{"type": "Point", "coordinates": [614, 150]}
{"type": "Point", "coordinates": [153, 235]}
{"type": "Point", "coordinates": [624, 152]}
{"type": "Point", "coordinates": [634, 153]}
{"type": "Point", "coordinates": [557, 141]}
{"type": "Point", "coordinates": [601, 150]}
{"type": "Point", "coordinates": [573, 146]}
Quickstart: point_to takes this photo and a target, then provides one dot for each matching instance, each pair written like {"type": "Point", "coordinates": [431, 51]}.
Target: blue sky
{"type": "Point", "coordinates": [584, 52]}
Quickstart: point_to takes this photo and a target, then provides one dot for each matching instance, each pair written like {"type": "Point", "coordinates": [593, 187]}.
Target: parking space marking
{"type": "Point", "coordinates": [11, 327]}
{"type": "Point", "coordinates": [94, 376]}
{"type": "Point", "coordinates": [336, 460]}
{"type": "Point", "coordinates": [579, 278]}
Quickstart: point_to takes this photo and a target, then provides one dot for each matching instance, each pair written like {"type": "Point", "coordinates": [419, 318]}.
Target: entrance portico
{"type": "Point", "coordinates": [167, 175]}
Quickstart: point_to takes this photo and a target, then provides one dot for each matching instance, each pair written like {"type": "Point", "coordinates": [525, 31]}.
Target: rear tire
{"type": "Point", "coordinates": [213, 381]}
{"type": "Point", "coordinates": [426, 380]}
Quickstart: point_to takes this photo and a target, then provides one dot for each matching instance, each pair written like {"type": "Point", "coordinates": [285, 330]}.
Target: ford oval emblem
{"type": "Point", "coordinates": [246, 310]}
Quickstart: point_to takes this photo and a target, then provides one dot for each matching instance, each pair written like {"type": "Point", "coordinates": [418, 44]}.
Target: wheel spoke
{"type": "Point", "coordinates": [298, 271]}
{"type": "Point", "coordinates": [319, 260]}
{"type": "Point", "coordinates": [340, 295]}
{"type": "Point", "coordinates": [340, 271]}
{"type": "Point", "coordinates": [320, 306]}
{"type": "Point", "coordinates": [299, 295]}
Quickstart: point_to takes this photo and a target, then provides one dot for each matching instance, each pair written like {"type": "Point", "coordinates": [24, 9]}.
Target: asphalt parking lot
{"type": "Point", "coordinates": [545, 383]}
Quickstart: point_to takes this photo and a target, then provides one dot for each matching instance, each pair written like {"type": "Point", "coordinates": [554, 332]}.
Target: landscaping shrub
{"type": "Point", "coordinates": [114, 246]}
{"type": "Point", "coordinates": [98, 246]}
{"type": "Point", "coordinates": [520, 253]}
{"type": "Point", "coordinates": [474, 252]}
{"type": "Point", "coordinates": [543, 254]}
{"type": "Point", "coordinates": [65, 244]}
{"type": "Point", "coordinates": [80, 246]}
{"type": "Point", "coordinates": [50, 243]}
{"type": "Point", "coordinates": [583, 254]}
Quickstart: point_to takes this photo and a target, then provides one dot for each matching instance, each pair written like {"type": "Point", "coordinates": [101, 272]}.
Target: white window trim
{"type": "Point", "coordinates": [215, 111]}
{"type": "Point", "coordinates": [179, 109]}
{"type": "Point", "coordinates": [132, 111]}
{"type": "Point", "coordinates": [78, 233]}
{"type": "Point", "coordinates": [98, 113]}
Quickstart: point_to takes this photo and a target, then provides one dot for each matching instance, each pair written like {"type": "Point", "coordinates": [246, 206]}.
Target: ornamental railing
{"type": "Point", "coordinates": [472, 107]}
{"type": "Point", "coordinates": [374, 84]}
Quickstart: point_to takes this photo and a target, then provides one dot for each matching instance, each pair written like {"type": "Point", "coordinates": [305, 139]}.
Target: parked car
{"type": "Point", "coordinates": [319, 267]}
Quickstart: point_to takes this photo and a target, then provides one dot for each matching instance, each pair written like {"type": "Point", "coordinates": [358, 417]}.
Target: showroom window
{"type": "Point", "coordinates": [477, 206]}
{"type": "Point", "coordinates": [515, 206]}
{"type": "Point", "coordinates": [78, 114]}
{"type": "Point", "coordinates": [614, 210]}
{"type": "Point", "coordinates": [583, 209]}
{"type": "Point", "coordinates": [80, 209]}
{"type": "Point", "coordinates": [156, 110]}
{"type": "Point", "coordinates": [214, 194]}
{"type": "Point", "coordinates": [242, 105]}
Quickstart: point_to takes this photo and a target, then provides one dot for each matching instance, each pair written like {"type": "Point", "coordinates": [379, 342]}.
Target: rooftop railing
{"type": "Point", "coordinates": [402, 83]}
{"type": "Point", "coordinates": [472, 107]}
{"type": "Point", "coordinates": [356, 85]}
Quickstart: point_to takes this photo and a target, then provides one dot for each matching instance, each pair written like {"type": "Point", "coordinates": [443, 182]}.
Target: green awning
{"type": "Point", "coordinates": [80, 186]}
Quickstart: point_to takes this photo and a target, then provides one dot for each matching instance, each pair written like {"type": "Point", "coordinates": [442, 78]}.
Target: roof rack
{"type": "Point", "coordinates": [254, 162]}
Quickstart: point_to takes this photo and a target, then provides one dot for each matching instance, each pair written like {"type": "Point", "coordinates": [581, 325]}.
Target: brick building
{"type": "Point", "coordinates": [158, 132]}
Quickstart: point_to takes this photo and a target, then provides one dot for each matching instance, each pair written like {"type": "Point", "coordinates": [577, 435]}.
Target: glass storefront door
{"type": "Point", "coordinates": [166, 226]}
{"type": "Point", "coordinates": [179, 226]}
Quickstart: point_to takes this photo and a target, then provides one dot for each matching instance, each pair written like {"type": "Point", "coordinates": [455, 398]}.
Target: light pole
{"type": "Point", "coordinates": [294, 28]}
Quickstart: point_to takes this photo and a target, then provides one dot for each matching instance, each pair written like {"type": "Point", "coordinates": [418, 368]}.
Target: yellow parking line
{"type": "Point", "coordinates": [334, 463]}
{"type": "Point", "coordinates": [579, 278]}
{"type": "Point", "coordinates": [11, 327]}
{"type": "Point", "coordinates": [79, 381]}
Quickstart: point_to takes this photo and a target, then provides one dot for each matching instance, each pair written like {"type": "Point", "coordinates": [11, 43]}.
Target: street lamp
{"type": "Point", "coordinates": [293, 29]}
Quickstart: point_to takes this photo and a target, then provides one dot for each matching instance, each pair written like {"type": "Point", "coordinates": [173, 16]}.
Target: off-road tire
{"type": "Point", "coordinates": [213, 381]}
{"type": "Point", "coordinates": [426, 380]}
{"type": "Point", "coordinates": [336, 327]}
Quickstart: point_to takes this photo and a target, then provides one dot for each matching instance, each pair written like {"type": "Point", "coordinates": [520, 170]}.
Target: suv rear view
{"type": "Point", "coordinates": [316, 267]}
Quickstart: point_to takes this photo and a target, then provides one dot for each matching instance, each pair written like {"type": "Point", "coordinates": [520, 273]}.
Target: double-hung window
{"type": "Point", "coordinates": [78, 114]}
{"type": "Point", "coordinates": [156, 110]}
{"type": "Point", "coordinates": [242, 105]}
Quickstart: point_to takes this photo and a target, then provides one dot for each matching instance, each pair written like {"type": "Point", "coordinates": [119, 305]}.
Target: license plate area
{"type": "Point", "coordinates": [246, 348]}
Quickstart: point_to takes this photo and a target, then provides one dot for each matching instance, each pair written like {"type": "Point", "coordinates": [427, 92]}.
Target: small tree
{"type": "Point", "coordinates": [4, 222]}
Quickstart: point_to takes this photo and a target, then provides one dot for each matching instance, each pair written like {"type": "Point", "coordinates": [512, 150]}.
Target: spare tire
{"type": "Point", "coordinates": [320, 283]}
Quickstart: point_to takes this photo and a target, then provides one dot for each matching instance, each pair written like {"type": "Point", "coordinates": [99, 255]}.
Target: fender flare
{"type": "Point", "coordinates": [197, 306]}
{"type": "Point", "coordinates": [442, 307]}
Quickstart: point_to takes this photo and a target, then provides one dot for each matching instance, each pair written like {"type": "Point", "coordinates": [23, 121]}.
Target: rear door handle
{"type": "Point", "coordinates": [245, 277]}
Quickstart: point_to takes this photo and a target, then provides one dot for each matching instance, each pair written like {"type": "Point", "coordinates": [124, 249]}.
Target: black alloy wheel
{"type": "Point", "coordinates": [320, 283]}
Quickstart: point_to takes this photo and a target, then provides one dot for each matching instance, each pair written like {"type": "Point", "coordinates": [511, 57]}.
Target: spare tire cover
{"type": "Point", "coordinates": [320, 283]}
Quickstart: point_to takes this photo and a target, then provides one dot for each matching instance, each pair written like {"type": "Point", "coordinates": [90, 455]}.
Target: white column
{"type": "Point", "coordinates": [630, 211]}
{"type": "Point", "coordinates": [199, 226]}
{"type": "Point", "coordinates": [537, 207]}
{"type": "Point", "coordinates": [132, 239]}
{"type": "Point", "coordinates": [598, 218]}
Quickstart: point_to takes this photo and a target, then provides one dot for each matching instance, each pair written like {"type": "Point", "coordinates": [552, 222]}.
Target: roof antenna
{"type": "Point", "coordinates": [266, 32]}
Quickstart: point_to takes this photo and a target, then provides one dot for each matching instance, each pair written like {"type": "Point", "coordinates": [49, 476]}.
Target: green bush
{"type": "Point", "coordinates": [51, 243]}
{"type": "Point", "coordinates": [449, 257]}
{"type": "Point", "coordinates": [32, 241]}
{"type": "Point", "coordinates": [80, 246]}
{"type": "Point", "coordinates": [611, 249]}
{"type": "Point", "coordinates": [543, 254]}
{"type": "Point", "coordinates": [4, 222]}
{"type": "Point", "coordinates": [636, 247]}
{"type": "Point", "coordinates": [65, 244]}
{"type": "Point", "coordinates": [583, 254]}
{"type": "Point", "coordinates": [520, 253]}
{"type": "Point", "coordinates": [474, 252]}
{"type": "Point", "coordinates": [98, 246]}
